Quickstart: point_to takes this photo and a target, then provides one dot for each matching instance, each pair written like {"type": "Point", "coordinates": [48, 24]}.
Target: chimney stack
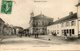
{"type": "Point", "coordinates": [70, 13]}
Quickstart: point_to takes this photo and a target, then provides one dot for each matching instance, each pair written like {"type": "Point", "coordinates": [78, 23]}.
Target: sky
{"type": "Point", "coordinates": [21, 10]}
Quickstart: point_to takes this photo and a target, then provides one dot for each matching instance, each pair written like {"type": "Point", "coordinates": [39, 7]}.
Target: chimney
{"type": "Point", "coordinates": [70, 13]}
{"type": "Point", "coordinates": [58, 18]}
{"type": "Point", "coordinates": [78, 1]}
{"type": "Point", "coordinates": [32, 14]}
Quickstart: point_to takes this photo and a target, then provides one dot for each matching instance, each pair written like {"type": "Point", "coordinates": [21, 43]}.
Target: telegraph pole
{"type": "Point", "coordinates": [78, 18]}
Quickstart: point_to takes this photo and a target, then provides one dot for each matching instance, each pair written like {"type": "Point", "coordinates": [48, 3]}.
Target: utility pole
{"type": "Point", "coordinates": [78, 18]}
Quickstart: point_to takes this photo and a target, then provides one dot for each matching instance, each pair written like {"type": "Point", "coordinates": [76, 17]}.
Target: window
{"type": "Point", "coordinates": [62, 31]}
{"type": "Point", "coordinates": [42, 23]}
{"type": "Point", "coordinates": [62, 25]}
{"type": "Point", "coordinates": [67, 30]}
{"type": "Point", "coordinates": [36, 29]}
{"type": "Point", "coordinates": [36, 23]}
{"type": "Point", "coordinates": [65, 34]}
{"type": "Point", "coordinates": [72, 31]}
{"type": "Point", "coordinates": [73, 23]}
{"type": "Point", "coordinates": [39, 23]}
{"type": "Point", "coordinates": [57, 31]}
{"type": "Point", "coordinates": [67, 23]}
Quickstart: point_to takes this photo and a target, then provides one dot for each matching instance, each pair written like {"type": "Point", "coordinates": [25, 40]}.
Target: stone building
{"type": "Point", "coordinates": [78, 14]}
{"type": "Point", "coordinates": [17, 29]}
{"type": "Point", "coordinates": [8, 30]}
{"type": "Point", "coordinates": [38, 24]}
{"type": "Point", "coordinates": [1, 26]}
{"type": "Point", "coordinates": [26, 31]}
{"type": "Point", "coordinates": [67, 25]}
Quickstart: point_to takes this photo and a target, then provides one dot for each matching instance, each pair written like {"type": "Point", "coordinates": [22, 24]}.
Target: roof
{"type": "Point", "coordinates": [1, 20]}
{"type": "Point", "coordinates": [41, 16]}
{"type": "Point", "coordinates": [26, 29]}
{"type": "Point", "coordinates": [78, 4]}
{"type": "Point", "coordinates": [18, 27]}
{"type": "Point", "coordinates": [69, 17]}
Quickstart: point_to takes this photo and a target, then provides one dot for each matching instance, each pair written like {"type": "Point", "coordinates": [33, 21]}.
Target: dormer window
{"type": "Point", "coordinates": [73, 23]}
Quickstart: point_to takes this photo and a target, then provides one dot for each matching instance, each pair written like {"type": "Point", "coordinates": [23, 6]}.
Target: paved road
{"type": "Point", "coordinates": [45, 39]}
{"type": "Point", "coordinates": [25, 40]}
{"type": "Point", "coordinates": [59, 39]}
{"type": "Point", "coordinates": [30, 44]}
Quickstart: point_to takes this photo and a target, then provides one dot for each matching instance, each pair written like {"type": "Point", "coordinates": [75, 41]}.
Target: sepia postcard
{"type": "Point", "coordinates": [39, 25]}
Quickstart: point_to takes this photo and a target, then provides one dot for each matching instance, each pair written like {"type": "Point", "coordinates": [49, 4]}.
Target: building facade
{"type": "Point", "coordinates": [8, 30]}
{"type": "Point", "coordinates": [26, 32]}
{"type": "Point", "coordinates": [1, 26]}
{"type": "Point", "coordinates": [17, 29]}
{"type": "Point", "coordinates": [67, 26]}
{"type": "Point", "coordinates": [38, 24]}
{"type": "Point", "coordinates": [78, 14]}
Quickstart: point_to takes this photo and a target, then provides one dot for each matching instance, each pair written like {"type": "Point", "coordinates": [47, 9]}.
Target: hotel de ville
{"type": "Point", "coordinates": [39, 23]}
{"type": "Point", "coordinates": [67, 26]}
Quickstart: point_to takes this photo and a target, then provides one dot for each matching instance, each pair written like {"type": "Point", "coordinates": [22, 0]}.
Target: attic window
{"type": "Point", "coordinates": [73, 23]}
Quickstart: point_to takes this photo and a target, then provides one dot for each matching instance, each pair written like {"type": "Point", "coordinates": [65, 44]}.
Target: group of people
{"type": "Point", "coordinates": [54, 34]}
{"type": "Point", "coordinates": [21, 33]}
